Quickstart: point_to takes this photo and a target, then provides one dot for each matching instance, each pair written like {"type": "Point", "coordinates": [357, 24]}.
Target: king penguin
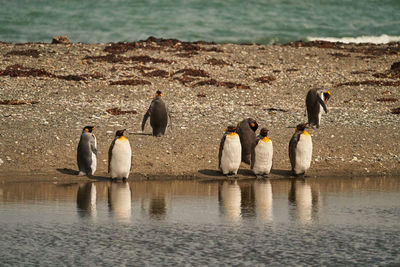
{"type": "Point", "coordinates": [158, 113]}
{"type": "Point", "coordinates": [261, 154]}
{"type": "Point", "coordinates": [87, 152]}
{"type": "Point", "coordinates": [315, 99]}
{"type": "Point", "coordinates": [230, 152]}
{"type": "Point", "coordinates": [246, 130]}
{"type": "Point", "coordinates": [300, 150]}
{"type": "Point", "coordinates": [120, 156]}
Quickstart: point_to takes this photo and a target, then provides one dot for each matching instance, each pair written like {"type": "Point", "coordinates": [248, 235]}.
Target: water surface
{"type": "Point", "coordinates": [329, 221]}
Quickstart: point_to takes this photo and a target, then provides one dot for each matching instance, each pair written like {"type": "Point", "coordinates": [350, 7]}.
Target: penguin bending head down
{"type": "Point", "coordinates": [120, 156]}
{"type": "Point", "coordinates": [246, 130]}
{"type": "Point", "coordinates": [315, 99]}
{"type": "Point", "coordinates": [300, 150]}
{"type": "Point", "coordinates": [261, 154]}
{"type": "Point", "coordinates": [87, 152]}
{"type": "Point", "coordinates": [158, 113]}
{"type": "Point", "coordinates": [230, 152]}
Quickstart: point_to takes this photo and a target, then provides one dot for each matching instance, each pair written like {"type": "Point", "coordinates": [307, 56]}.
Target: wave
{"type": "Point", "coordinates": [383, 39]}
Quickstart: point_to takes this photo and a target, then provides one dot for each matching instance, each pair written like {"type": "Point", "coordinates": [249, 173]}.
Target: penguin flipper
{"type": "Point", "coordinates": [322, 104]}
{"type": "Point", "coordinates": [292, 149]}
{"type": "Point", "coordinates": [145, 117]}
{"type": "Point", "coordinates": [253, 153]}
{"type": "Point", "coordinates": [221, 148]}
{"type": "Point", "coordinates": [110, 155]}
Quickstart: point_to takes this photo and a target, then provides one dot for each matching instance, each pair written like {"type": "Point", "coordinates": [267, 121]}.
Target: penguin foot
{"type": "Point", "coordinates": [81, 173]}
{"type": "Point", "coordinates": [124, 179]}
{"type": "Point", "coordinates": [231, 175]}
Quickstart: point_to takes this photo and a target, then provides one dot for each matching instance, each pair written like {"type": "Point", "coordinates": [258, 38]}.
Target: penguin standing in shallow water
{"type": "Point", "coordinates": [158, 113]}
{"type": "Point", "coordinates": [261, 154]}
{"type": "Point", "coordinates": [315, 99]}
{"type": "Point", "coordinates": [119, 156]}
{"type": "Point", "coordinates": [230, 152]}
{"type": "Point", "coordinates": [87, 152]}
{"type": "Point", "coordinates": [246, 130]}
{"type": "Point", "coordinates": [300, 150]}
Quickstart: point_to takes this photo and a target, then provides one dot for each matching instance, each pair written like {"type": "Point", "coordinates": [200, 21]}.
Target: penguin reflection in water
{"type": "Point", "coordinates": [246, 130]}
{"type": "Point", "coordinates": [230, 152]}
{"type": "Point", "coordinates": [158, 113]}
{"type": "Point", "coordinates": [120, 156]}
{"type": "Point", "coordinates": [300, 150]}
{"type": "Point", "coordinates": [261, 155]}
{"type": "Point", "coordinates": [315, 99]}
{"type": "Point", "coordinates": [87, 152]}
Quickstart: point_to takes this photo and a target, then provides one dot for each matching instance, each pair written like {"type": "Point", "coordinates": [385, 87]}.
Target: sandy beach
{"type": "Point", "coordinates": [49, 92]}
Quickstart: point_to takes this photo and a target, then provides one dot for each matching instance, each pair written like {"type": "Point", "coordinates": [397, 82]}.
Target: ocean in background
{"type": "Point", "coordinates": [232, 21]}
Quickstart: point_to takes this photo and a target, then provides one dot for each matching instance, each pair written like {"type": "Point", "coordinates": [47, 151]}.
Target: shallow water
{"type": "Point", "coordinates": [237, 21]}
{"type": "Point", "coordinates": [276, 222]}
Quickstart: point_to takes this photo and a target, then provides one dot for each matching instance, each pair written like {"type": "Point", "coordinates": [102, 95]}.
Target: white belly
{"type": "Point", "coordinates": [121, 159]}
{"type": "Point", "coordinates": [263, 157]}
{"type": "Point", "coordinates": [93, 166]}
{"type": "Point", "coordinates": [303, 154]}
{"type": "Point", "coordinates": [231, 155]}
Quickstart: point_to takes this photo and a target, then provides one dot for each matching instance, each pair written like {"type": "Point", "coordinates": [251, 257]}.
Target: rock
{"type": "Point", "coordinates": [61, 40]}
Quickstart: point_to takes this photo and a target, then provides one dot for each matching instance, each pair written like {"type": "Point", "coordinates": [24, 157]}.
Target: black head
{"type": "Point", "coordinates": [264, 132]}
{"type": "Point", "coordinates": [88, 129]}
{"type": "Point", "coordinates": [253, 124]}
{"type": "Point", "coordinates": [158, 93]}
{"type": "Point", "coordinates": [301, 127]}
{"type": "Point", "coordinates": [327, 95]}
{"type": "Point", "coordinates": [120, 133]}
{"type": "Point", "coordinates": [231, 129]}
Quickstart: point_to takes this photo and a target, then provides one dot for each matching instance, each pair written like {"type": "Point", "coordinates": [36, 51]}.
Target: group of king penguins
{"type": "Point", "coordinates": [120, 152]}
{"type": "Point", "coordinates": [238, 143]}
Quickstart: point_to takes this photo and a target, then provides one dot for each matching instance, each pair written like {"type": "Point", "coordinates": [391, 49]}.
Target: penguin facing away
{"type": "Point", "coordinates": [246, 131]}
{"type": "Point", "coordinates": [120, 156]}
{"type": "Point", "coordinates": [230, 152]}
{"type": "Point", "coordinates": [315, 99]}
{"type": "Point", "coordinates": [87, 152]}
{"type": "Point", "coordinates": [261, 154]}
{"type": "Point", "coordinates": [158, 113]}
{"type": "Point", "coordinates": [300, 150]}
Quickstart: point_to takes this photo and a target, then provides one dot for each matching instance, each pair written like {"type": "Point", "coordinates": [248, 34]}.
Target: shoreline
{"type": "Point", "coordinates": [51, 91]}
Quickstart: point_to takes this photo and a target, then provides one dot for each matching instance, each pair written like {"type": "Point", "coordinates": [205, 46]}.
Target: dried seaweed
{"type": "Point", "coordinates": [395, 110]}
{"type": "Point", "coordinates": [292, 69]}
{"type": "Point", "coordinates": [217, 62]}
{"type": "Point", "coordinates": [185, 79]}
{"type": "Point", "coordinates": [201, 95]}
{"type": "Point", "coordinates": [118, 111]}
{"type": "Point", "coordinates": [276, 109]}
{"type": "Point", "coordinates": [339, 55]}
{"type": "Point", "coordinates": [18, 102]}
{"type": "Point", "coordinates": [225, 84]}
{"type": "Point", "coordinates": [363, 48]}
{"type": "Point", "coordinates": [145, 59]}
{"type": "Point", "coordinates": [153, 43]}
{"type": "Point", "coordinates": [156, 73]}
{"type": "Point", "coordinates": [387, 99]}
{"type": "Point", "coordinates": [131, 82]}
{"type": "Point", "coordinates": [29, 53]}
{"type": "Point", "coordinates": [266, 79]}
{"type": "Point", "coordinates": [17, 70]}
{"type": "Point", "coordinates": [371, 82]}
{"type": "Point", "coordinates": [192, 72]}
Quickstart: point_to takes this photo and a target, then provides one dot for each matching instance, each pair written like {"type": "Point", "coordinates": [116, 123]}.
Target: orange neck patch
{"type": "Point", "coordinates": [305, 133]}
{"type": "Point", "coordinates": [232, 134]}
{"type": "Point", "coordinates": [265, 139]}
{"type": "Point", "coordinates": [122, 138]}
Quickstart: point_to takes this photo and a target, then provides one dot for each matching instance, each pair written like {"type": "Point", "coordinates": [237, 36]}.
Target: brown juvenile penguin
{"type": "Point", "coordinates": [246, 130]}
